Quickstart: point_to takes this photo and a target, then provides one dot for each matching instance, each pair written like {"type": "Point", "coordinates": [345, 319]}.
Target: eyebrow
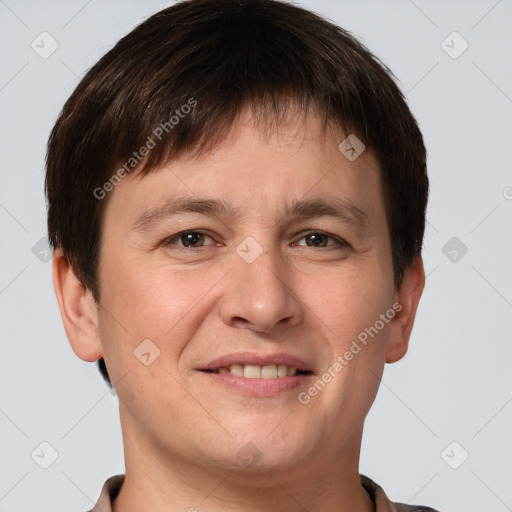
{"type": "Point", "coordinates": [344, 210]}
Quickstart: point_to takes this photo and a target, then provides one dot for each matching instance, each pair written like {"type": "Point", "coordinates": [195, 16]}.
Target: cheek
{"type": "Point", "coordinates": [149, 299]}
{"type": "Point", "coordinates": [159, 303]}
{"type": "Point", "coordinates": [351, 301]}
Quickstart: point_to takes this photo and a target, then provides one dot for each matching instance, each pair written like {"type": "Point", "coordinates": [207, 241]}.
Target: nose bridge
{"type": "Point", "coordinates": [261, 294]}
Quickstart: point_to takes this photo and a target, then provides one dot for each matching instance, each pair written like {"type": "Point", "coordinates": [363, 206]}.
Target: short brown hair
{"type": "Point", "coordinates": [226, 55]}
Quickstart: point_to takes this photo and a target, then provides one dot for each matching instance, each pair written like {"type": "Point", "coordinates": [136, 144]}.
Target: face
{"type": "Point", "coordinates": [234, 288]}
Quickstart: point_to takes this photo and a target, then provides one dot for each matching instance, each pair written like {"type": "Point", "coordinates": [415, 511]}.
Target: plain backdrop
{"type": "Point", "coordinates": [440, 430]}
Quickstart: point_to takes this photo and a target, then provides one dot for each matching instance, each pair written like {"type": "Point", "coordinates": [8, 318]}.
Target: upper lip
{"type": "Point", "coordinates": [244, 358]}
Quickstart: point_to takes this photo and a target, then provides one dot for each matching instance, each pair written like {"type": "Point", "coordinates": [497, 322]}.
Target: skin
{"type": "Point", "coordinates": [181, 430]}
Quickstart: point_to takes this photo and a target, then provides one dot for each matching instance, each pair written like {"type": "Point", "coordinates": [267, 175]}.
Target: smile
{"type": "Point", "coordinates": [254, 371]}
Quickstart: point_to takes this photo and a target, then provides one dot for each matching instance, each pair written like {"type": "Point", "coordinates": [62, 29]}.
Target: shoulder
{"type": "Point", "coordinates": [108, 493]}
{"type": "Point", "coordinates": [383, 503]}
{"type": "Point", "coordinates": [402, 507]}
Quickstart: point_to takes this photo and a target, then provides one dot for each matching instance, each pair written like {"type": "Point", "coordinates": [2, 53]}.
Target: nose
{"type": "Point", "coordinates": [260, 295]}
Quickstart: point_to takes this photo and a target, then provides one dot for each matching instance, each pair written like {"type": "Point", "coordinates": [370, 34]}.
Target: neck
{"type": "Point", "coordinates": [329, 482]}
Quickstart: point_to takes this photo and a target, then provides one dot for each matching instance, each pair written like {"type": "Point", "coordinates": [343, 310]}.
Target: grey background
{"type": "Point", "coordinates": [455, 382]}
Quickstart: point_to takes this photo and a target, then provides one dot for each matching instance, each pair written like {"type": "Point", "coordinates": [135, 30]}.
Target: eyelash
{"type": "Point", "coordinates": [340, 243]}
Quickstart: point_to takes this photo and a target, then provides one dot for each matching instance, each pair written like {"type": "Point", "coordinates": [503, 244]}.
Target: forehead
{"type": "Point", "coordinates": [254, 141]}
{"type": "Point", "coordinates": [278, 165]}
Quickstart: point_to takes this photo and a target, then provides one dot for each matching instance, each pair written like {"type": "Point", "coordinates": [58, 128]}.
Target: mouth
{"type": "Point", "coordinates": [257, 375]}
{"type": "Point", "coordinates": [254, 371]}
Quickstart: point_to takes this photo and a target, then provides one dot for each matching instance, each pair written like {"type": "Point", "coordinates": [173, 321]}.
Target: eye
{"type": "Point", "coordinates": [197, 239]}
{"type": "Point", "coordinates": [187, 239]}
{"type": "Point", "coordinates": [320, 239]}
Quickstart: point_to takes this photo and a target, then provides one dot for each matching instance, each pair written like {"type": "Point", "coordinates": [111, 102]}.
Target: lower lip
{"type": "Point", "coordinates": [258, 387]}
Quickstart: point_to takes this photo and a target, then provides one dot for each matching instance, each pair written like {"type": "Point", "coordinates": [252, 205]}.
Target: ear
{"type": "Point", "coordinates": [408, 298]}
{"type": "Point", "coordinates": [77, 308]}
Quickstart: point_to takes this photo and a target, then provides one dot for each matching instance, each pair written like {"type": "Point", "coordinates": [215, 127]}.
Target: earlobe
{"type": "Point", "coordinates": [408, 298]}
{"type": "Point", "coordinates": [77, 309]}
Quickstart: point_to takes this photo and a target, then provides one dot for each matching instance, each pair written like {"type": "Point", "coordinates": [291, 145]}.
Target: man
{"type": "Point", "coordinates": [237, 196]}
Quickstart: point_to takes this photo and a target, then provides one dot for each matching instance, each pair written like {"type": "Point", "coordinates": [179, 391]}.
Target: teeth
{"type": "Point", "coordinates": [291, 371]}
{"type": "Point", "coordinates": [237, 369]}
{"type": "Point", "coordinates": [269, 372]}
{"type": "Point", "coordinates": [282, 370]}
{"type": "Point", "coordinates": [254, 371]}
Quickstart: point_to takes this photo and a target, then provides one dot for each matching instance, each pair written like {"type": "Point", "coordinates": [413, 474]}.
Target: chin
{"type": "Point", "coordinates": [267, 451]}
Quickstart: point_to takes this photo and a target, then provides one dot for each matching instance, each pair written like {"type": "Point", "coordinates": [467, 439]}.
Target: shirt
{"type": "Point", "coordinates": [113, 485]}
